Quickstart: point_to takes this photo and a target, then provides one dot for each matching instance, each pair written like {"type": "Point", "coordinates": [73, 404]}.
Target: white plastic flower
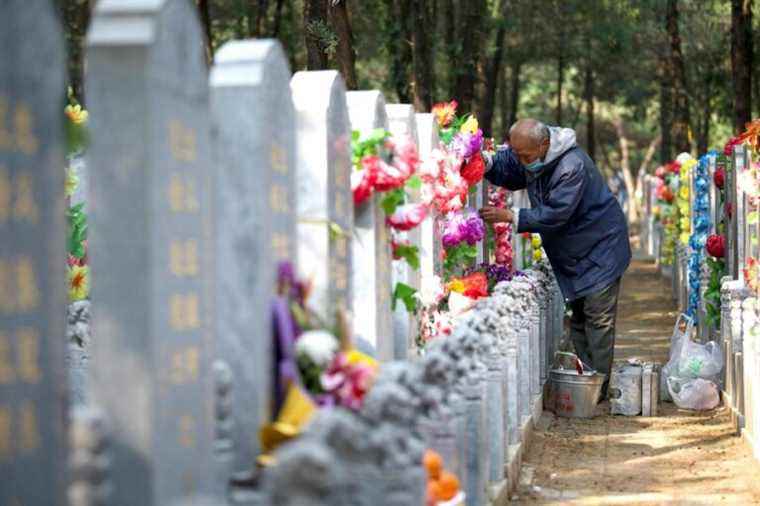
{"type": "Point", "coordinates": [431, 291]}
{"type": "Point", "coordinates": [320, 346]}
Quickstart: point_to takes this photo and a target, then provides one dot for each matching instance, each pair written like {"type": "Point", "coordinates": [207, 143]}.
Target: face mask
{"type": "Point", "coordinates": [535, 166]}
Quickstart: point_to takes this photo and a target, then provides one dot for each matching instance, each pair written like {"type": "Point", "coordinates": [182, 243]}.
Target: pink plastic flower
{"type": "Point", "coordinates": [347, 382]}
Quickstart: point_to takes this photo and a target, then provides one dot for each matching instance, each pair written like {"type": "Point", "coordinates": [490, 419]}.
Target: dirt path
{"type": "Point", "coordinates": [677, 458]}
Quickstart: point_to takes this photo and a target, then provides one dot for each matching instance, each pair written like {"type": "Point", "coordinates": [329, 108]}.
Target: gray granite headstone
{"type": "Point", "coordinates": [253, 132]}
{"type": "Point", "coordinates": [325, 209]}
{"type": "Point", "coordinates": [152, 239]}
{"type": "Point", "coordinates": [32, 256]}
{"type": "Point", "coordinates": [371, 271]}
{"type": "Point", "coordinates": [401, 122]}
{"type": "Point", "coordinates": [430, 242]}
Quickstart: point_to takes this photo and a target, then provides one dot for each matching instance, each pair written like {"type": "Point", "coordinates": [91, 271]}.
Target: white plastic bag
{"type": "Point", "coordinates": [697, 360]}
{"type": "Point", "coordinates": [694, 393]}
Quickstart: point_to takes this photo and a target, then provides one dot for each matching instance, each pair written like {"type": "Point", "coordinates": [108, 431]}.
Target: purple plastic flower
{"type": "Point", "coordinates": [466, 144]}
{"type": "Point", "coordinates": [463, 227]}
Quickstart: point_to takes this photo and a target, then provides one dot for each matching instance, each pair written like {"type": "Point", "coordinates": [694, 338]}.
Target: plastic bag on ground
{"type": "Point", "coordinates": [697, 360]}
{"type": "Point", "coordinates": [681, 332]}
{"type": "Point", "coordinates": [694, 393]}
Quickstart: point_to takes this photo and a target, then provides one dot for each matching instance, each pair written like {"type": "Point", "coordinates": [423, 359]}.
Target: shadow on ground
{"type": "Point", "coordinates": [679, 457]}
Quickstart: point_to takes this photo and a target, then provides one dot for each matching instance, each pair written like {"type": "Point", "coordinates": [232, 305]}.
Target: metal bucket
{"type": "Point", "coordinates": [573, 395]}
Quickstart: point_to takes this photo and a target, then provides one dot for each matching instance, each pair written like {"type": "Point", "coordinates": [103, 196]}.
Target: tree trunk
{"type": "Point", "coordinates": [503, 105]}
{"type": "Point", "coordinates": [261, 18]}
{"type": "Point", "coordinates": [606, 168]}
{"type": "Point", "coordinates": [451, 43]}
{"type": "Point", "coordinates": [315, 19]}
{"type": "Point", "coordinates": [422, 53]}
{"type": "Point", "coordinates": [703, 138]}
{"type": "Point", "coordinates": [206, 22]}
{"type": "Point", "coordinates": [589, 92]}
{"type": "Point", "coordinates": [681, 121]}
{"type": "Point", "coordinates": [76, 18]}
{"type": "Point", "coordinates": [514, 103]}
{"type": "Point", "coordinates": [741, 61]}
{"type": "Point", "coordinates": [625, 165]}
{"type": "Point", "coordinates": [666, 114]}
{"type": "Point", "coordinates": [345, 54]}
{"type": "Point", "coordinates": [277, 18]}
{"type": "Point", "coordinates": [649, 155]}
{"type": "Point", "coordinates": [472, 23]}
{"type": "Point", "coordinates": [493, 65]}
{"type": "Point", "coordinates": [399, 47]}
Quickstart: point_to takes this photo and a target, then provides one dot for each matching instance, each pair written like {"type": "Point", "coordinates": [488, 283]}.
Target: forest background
{"type": "Point", "coordinates": [639, 80]}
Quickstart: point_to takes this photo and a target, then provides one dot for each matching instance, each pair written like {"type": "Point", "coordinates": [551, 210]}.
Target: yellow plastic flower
{"type": "Point", "coordinates": [537, 255]}
{"type": "Point", "coordinates": [470, 126]}
{"type": "Point", "coordinates": [456, 286]}
{"type": "Point", "coordinates": [79, 282]}
{"type": "Point", "coordinates": [683, 192]}
{"type": "Point", "coordinates": [536, 241]}
{"type": "Point", "coordinates": [72, 182]}
{"type": "Point", "coordinates": [76, 114]}
{"type": "Point", "coordinates": [354, 356]}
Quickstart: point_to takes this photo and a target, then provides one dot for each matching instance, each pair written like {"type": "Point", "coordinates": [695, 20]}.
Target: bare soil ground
{"type": "Point", "coordinates": [679, 457]}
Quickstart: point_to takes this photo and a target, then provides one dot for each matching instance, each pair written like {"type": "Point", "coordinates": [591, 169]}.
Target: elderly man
{"type": "Point", "coordinates": [582, 227]}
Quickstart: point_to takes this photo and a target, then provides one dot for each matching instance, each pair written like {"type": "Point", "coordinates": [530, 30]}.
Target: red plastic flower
{"type": "Point", "coordinates": [475, 285]}
{"type": "Point", "coordinates": [716, 246]}
{"type": "Point", "coordinates": [661, 172]}
{"type": "Point", "coordinates": [362, 183]}
{"type": "Point", "coordinates": [719, 178]}
{"type": "Point", "coordinates": [674, 167]}
{"type": "Point", "coordinates": [664, 193]}
{"type": "Point", "coordinates": [407, 217]}
{"type": "Point", "coordinates": [473, 170]}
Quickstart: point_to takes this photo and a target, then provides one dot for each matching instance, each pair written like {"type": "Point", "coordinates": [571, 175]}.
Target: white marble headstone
{"type": "Point", "coordinates": [371, 270]}
{"type": "Point", "coordinates": [402, 122]}
{"type": "Point", "coordinates": [430, 243]}
{"type": "Point", "coordinates": [152, 229]}
{"type": "Point", "coordinates": [253, 126]}
{"type": "Point", "coordinates": [325, 210]}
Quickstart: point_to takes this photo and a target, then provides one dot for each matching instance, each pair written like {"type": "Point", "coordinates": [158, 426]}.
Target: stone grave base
{"type": "Point", "coordinates": [515, 452]}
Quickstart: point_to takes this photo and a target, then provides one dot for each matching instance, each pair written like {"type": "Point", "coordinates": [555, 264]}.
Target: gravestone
{"type": "Point", "coordinates": [430, 241]}
{"type": "Point", "coordinates": [32, 256]}
{"type": "Point", "coordinates": [401, 122]}
{"type": "Point", "coordinates": [325, 210]}
{"type": "Point", "coordinates": [152, 239]}
{"type": "Point", "coordinates": [253, 125]}
{"type": "Point", "coordinates": [371, 270]}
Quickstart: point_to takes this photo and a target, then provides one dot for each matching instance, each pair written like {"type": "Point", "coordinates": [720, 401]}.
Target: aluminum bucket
{"type": "Point", "coordinates": [573, 395]}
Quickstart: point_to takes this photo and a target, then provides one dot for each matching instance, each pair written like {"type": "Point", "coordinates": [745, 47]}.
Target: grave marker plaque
{"type": "Point", "coordinates": [371, 271]}
{"type": "Point", "coordinates": [32, 255]}
{"type": "Point", "coordinates": [152, 243]}
{"type": "Point", "coordinates": [254, 153]}
{"type": "Point", "coordinates": [325, 210]}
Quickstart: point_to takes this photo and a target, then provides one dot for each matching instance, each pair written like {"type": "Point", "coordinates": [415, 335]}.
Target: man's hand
{"type": "Point", "coordinates": [496, 215]}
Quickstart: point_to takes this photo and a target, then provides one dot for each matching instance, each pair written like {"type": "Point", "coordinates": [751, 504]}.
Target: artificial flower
{"type": "Point", "coordinates": [76, 114]}
{"type": "Point", "coordinates": [536, 241]}
{"type": "Point", "coordinates": [431, 290]}
{"type": "Point", "coordinates": [728, 149]}
{"type": "Point", "coordinates": [445, 112]}
{"type": "Point", "coordinates": [463, 227]}
{"type": "Point", "coordinates": [537, 256]}
{"type": "Point", "coordinates": [661, 172]}
{"type": "Point", "coordinates": [470, 126]}
{"type": "Point", "coordinates": [473, 169]}
{"type": "Point", "coordinates": [407, 216]}
{"type": "Point", "coordinates": [79, 282]}
{"type": "Point", "coordinates": [362, 182]}
{"type": "Point", "coordinates": [319, 346]}
{"type": "Point", "coordinates": [751, 274]}
{"type": "Point", "coordinates": [72, 182]}
{"type": "Point", "coordinates": [474, 285]}
{"type": "Point", "coordinates": [719, 178]}
{"type": "Point", "coordinates": [466, 144]}
{"type": "Point", "coordinates": [347, 382]}
{"type": "Point", "coordinates": [716, 246]}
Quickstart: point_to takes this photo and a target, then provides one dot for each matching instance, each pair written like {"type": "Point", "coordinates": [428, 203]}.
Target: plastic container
{"type": "Point", "coordinates": [574, 395]}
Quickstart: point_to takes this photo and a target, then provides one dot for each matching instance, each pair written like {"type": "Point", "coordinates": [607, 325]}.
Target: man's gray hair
{"type": "Point", "coordinates": [531, 128]}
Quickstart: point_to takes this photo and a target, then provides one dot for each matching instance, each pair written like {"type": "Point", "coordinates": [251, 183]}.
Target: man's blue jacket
{"type": "Point", "coordinates": [583, 229]}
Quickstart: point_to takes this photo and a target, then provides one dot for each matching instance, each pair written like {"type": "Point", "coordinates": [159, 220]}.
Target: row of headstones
{"type": "Point", "coordinates": [472, 397]}
{"type": "Point", "coordinates": [183, 256]}
{"type": "Point", "coordinates": [739, 306]}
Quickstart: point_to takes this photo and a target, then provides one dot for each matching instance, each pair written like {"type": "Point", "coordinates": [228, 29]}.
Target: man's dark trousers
{"type": "Point", "coordinates": [592, 328]}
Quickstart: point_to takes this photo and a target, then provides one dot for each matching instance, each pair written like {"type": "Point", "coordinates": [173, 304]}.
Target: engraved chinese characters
{"type": "Point", "coordinates": [371, 272]}
{"type": "Point", "coordinates": [254, 131]}
{"type": "Point", "coordinates": [32, 255]}
{"type": "Point", "coordinates": [325, 211]}
{"type": "Point", "coordinates": [152, 229]}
